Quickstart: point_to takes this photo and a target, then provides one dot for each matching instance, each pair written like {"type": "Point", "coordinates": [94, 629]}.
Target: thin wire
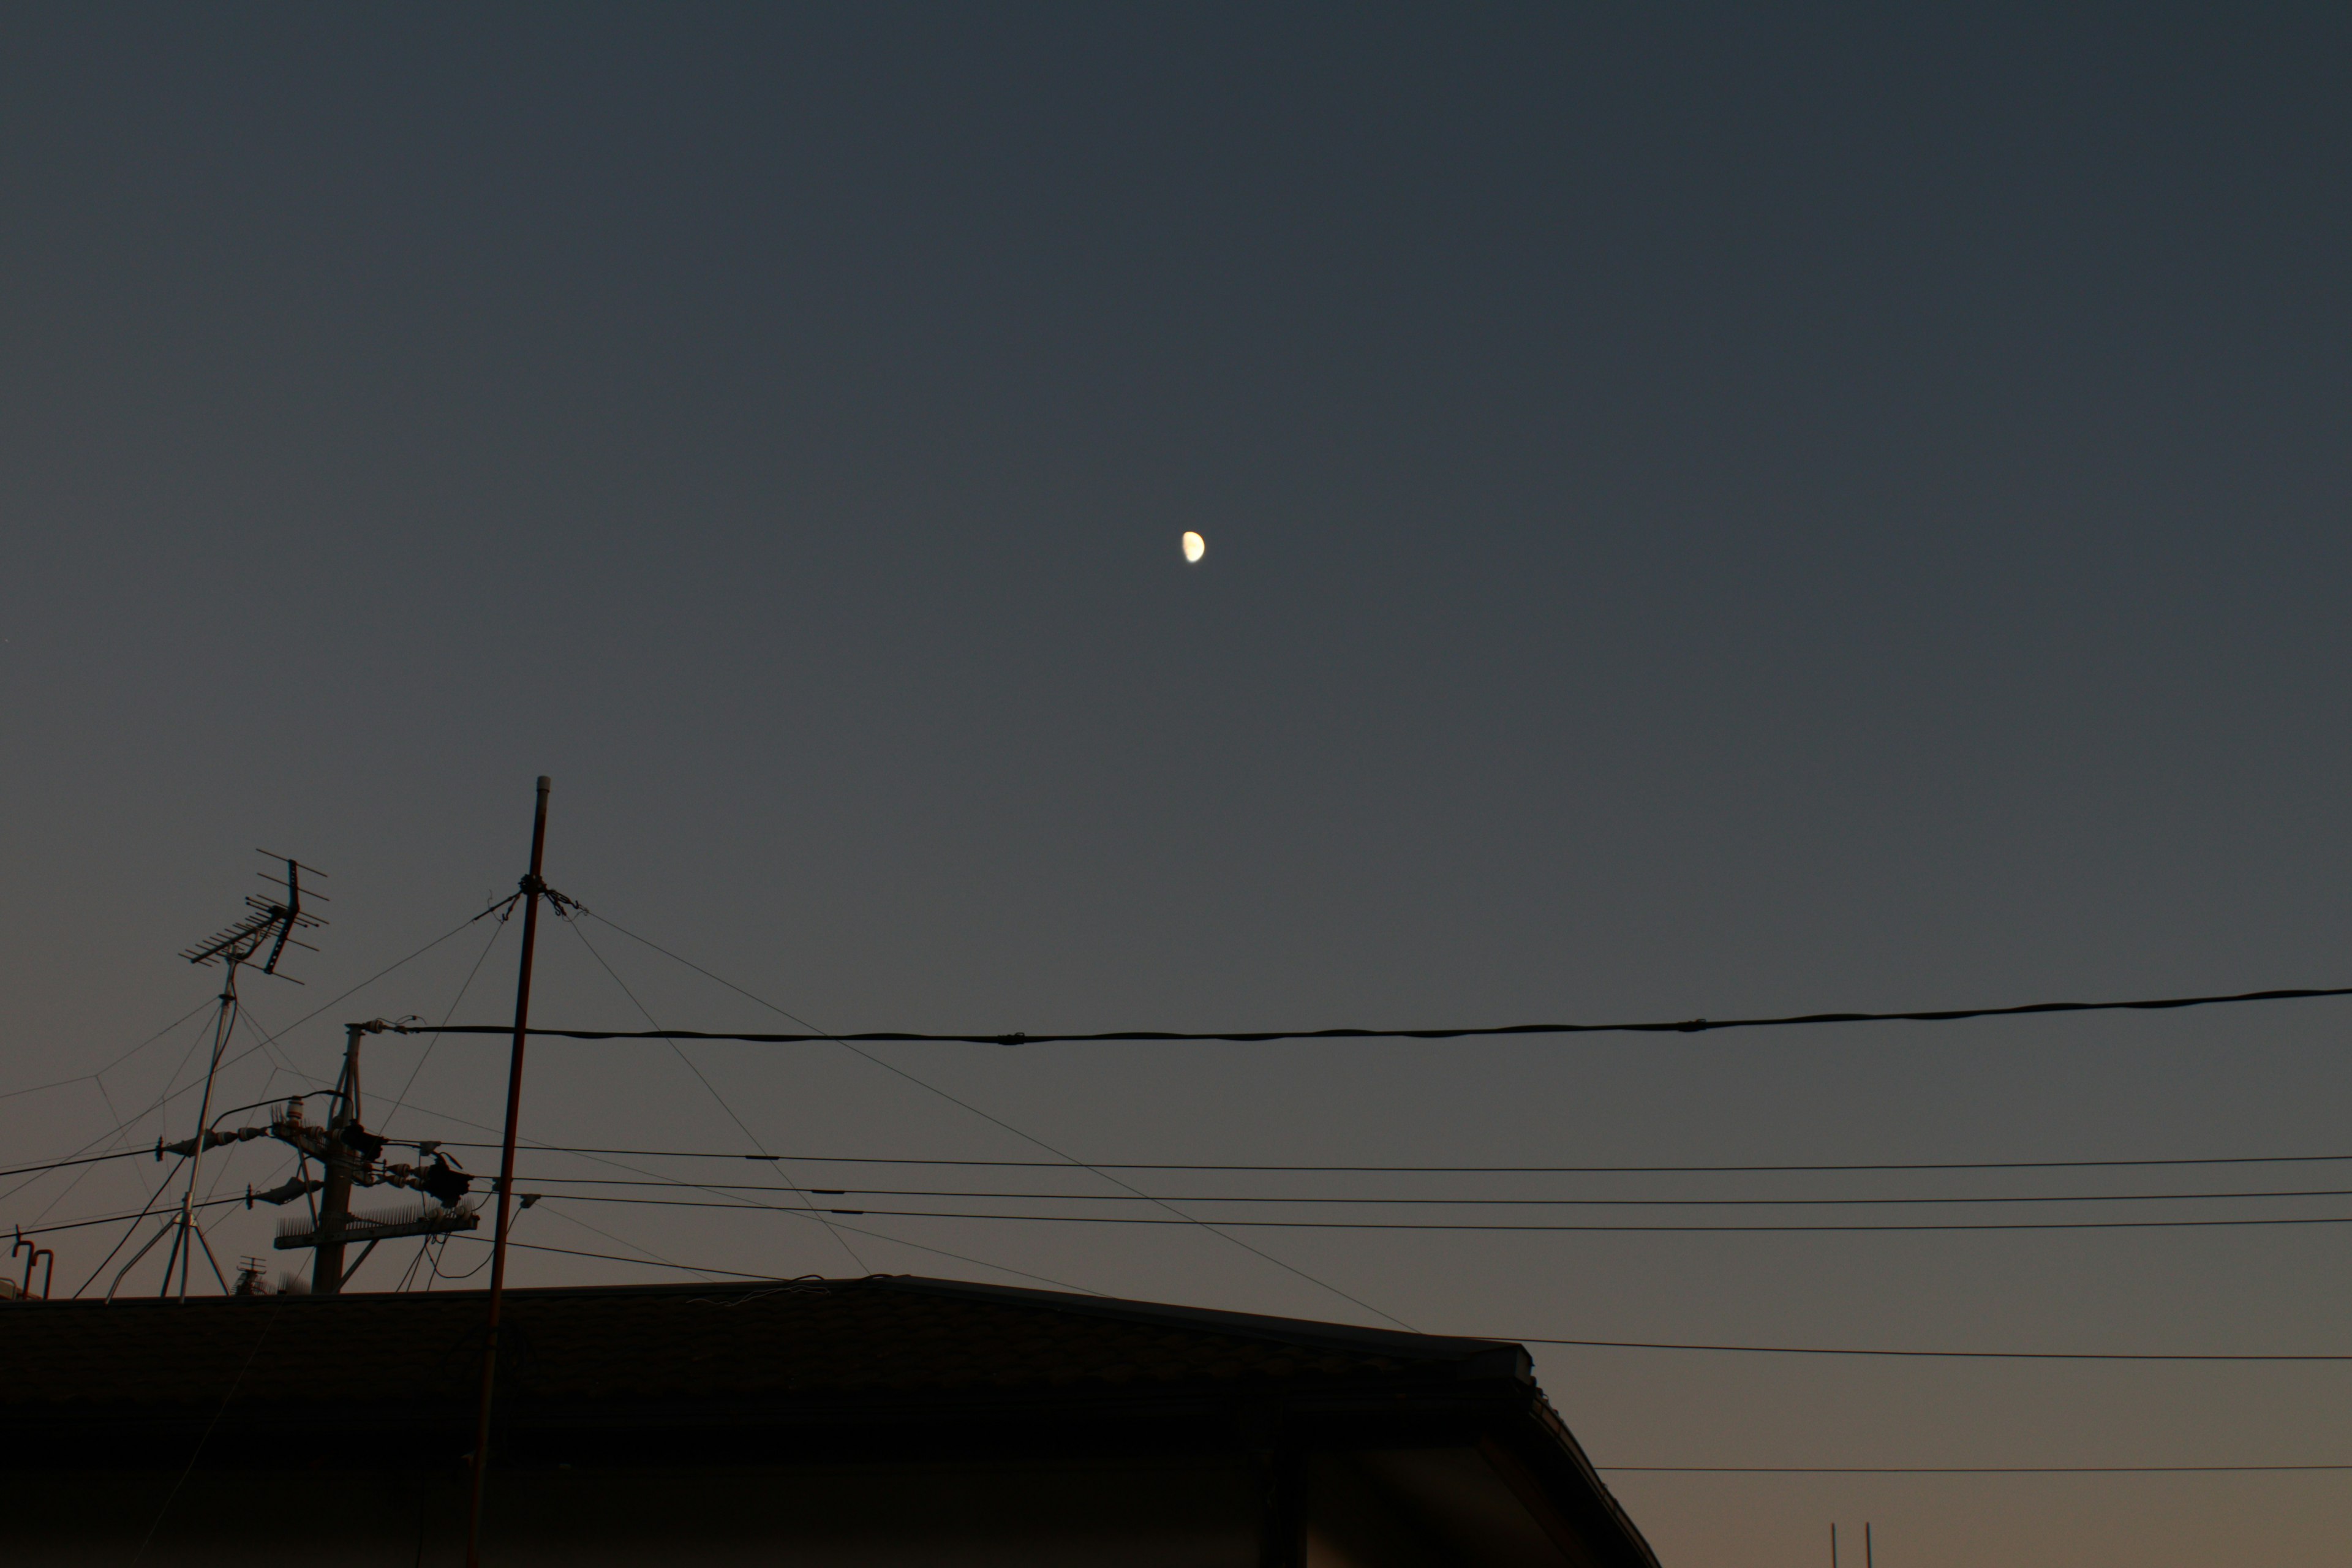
{"type": "Point", "coordinates": [64, 1082]}
{"type": "Point", "coordinates": [120, 1126]}
{"type": "Point", "coordinates": [1957, 1469]}
{"type": "Point", "coordinates": [708, 1087]}
{"type": "Point", "coordinates": [1447, 1170]}
{"type": "Point", "coordinates": [999, 1122]}
{"type": "Point", "coordinates": [1952, 1355]}
{"type": "Point", "coordinates": [1259, 1036]}
{"type": "Point", "coordinates": [280, 1032]}
{"type": "Point", "coordinates": [205, 1437]}
{"type": "Point", "coordinates": [128, 1232]}
{"type": "Point", "coordinates": [171, 1094]}
{"type": "Point", "coordinates": [416, 1260]}
{"type": "Point", "coordinates": [1483, 1225]}
{"type": "Point", "coordinates": [608, 1235]}
{"type": "Point", "coordinates": [1451, 1203]}
{"type": "Point", "coordinates": [108, 1219]}
{"type": "Point", "coordinates": [401, 1101]}
{"type": "Point", "coordinates": [875, 1234]}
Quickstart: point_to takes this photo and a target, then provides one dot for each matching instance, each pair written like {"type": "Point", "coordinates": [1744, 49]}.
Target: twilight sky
{"type": "Point", "coordinates": [1710, 511]}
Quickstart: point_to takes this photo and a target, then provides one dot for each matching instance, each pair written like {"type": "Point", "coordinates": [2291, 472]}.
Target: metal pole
{"type": "Point", "coordinates": [1867, 1560]}
{"type": "Point", "coordinates": [342, 1168]}
{"type": "Point", "coordinates": [204, 1123]}
{"type": "Point", "coordinates": [531, 889]}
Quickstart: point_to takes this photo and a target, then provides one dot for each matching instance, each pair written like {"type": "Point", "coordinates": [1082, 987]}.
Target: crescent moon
{"type": "Point", "coordinates": [1194, 547]}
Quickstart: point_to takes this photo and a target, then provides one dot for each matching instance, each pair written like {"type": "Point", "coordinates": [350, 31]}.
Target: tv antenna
{"type": "Point", "coordinates": [270, 921]}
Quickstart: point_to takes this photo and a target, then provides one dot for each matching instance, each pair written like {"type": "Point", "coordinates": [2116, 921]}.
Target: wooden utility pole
{"type": "Point", "coordinates": [533, 887]}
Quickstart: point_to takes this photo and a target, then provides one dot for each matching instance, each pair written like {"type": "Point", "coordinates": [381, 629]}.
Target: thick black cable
{"type": "Point", "coordinates": [1259, 1036]}
{"type": "Point", "coordinates": [85, 1160]}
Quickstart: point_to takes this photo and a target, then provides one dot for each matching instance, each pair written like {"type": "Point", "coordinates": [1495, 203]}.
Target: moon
{"type": "Point", "coordinates": [1194, 547]}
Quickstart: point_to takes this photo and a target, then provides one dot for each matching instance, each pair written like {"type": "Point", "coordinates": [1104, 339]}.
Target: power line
{"type": "Point", "coordinates": [171, 1094]}
{"type": "Point", "coordinates": [1959, 1469]}
{"type": "Point", "coordinates": [703, 1078]}
{"type": "Point", "coordinates": [1472, 1224]}
{"type": "Point", "coordinates": [1029, 1138]}
{"type": "Point", "coordinates": [1259, 1036]}
{"type": "Point", "coordinates": [873, 1235]}
{"type": "Point", "coordinates": [1439, 1170]}
{"type": "Point", "coordinates": [85, 1160]}
{"type": "Point", "coordinates": [854, 1230]}
{"type": "Point", "coordinates": [803, 1191]}
{"type": "Point", "coordinates": [111, 1218]}
{"type": "Point", "coordinates": [1927, 1355]}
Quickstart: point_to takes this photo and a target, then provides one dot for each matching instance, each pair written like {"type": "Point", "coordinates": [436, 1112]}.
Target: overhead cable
{"type": "Point", "coordinates": [1354, 1200]}
{"type": "Point", "coordinates": [1924, 1355]}
{"type": "Point", "coordinates": [1258, 1036]}
{"type": "Point", "coordinates": [1958, 1470]}
{"type": "Point", "coordinates": [1430, 1170]}
{"type": "Point", "coordinates": [1467, 1225]}
{"type": "Point", "coordinates": [1029, 1138]}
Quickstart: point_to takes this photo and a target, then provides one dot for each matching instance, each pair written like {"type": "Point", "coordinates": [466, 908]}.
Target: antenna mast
{"type": "Point", "coordinates": [271, 921]}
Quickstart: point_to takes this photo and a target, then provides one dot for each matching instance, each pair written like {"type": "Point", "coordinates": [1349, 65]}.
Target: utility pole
{"type": "Point", "coordinates": [533, 887]}
{"type": "Point", "coordinates": [347, 1152]}
{"type": "Point", "coordinates": [343, 1165]}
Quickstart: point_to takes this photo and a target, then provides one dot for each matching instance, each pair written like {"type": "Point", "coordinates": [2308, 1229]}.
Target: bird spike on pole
{"type": "Point", "coordinates": [533, 887]}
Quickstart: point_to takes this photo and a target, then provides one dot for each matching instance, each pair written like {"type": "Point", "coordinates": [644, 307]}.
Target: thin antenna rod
{"type": "Point", "coordinates": [226, 1021]}
{"type": "Point", "coordinates": [1832, 1546]}
{"type": "Point", "coordinates": [1867, 1560]}
{"type": "Point", "coordinates": [531, 889]}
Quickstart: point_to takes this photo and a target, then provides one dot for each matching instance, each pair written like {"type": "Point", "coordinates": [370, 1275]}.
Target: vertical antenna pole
{"type": "Point", "coordinates": [342, 1167]}
{"type": "Point", "coordinates": [532, 888]}
{"type": "Point", "coordinates": [182, 1250]}
{"type": "Point", "coordinates": [1832, 1546]}
{"type": "Point", "coordinates": [1867, 1560]}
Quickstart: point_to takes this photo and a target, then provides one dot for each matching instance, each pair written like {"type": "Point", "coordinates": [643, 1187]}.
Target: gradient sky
{"type": "Point", "coordinates": [1710, 511]}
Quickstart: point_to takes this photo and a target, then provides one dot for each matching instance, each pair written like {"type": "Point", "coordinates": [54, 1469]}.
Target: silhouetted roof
{"type": "Point", "coordinates": [808, 1368]}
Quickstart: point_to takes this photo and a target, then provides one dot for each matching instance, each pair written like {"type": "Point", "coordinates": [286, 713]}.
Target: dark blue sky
{"type": "Point", "coordinates": [1709, 510]}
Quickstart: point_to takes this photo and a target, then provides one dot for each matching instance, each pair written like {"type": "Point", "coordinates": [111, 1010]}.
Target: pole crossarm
{"type": "Point", "coordinates": [373, 1227]}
